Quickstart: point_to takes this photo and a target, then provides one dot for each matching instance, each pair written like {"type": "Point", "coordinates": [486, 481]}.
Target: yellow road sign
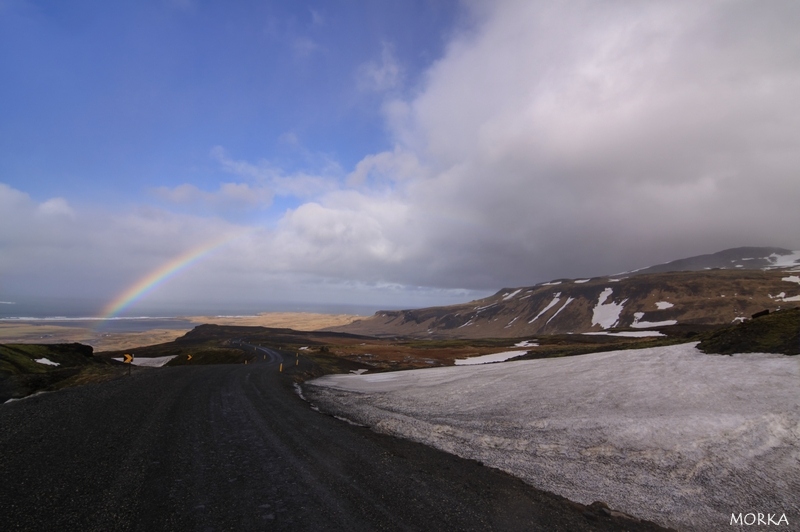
{"type": "Point", "coordinates": [127, 359]}
{"type": "Point", "coordinates": [188, 357]}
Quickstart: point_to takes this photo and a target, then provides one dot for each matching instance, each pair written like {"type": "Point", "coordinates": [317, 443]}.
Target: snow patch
{"type": "Point", "coordinates": [512, 294]}
{"type": "Point", "coordinates": [14, 399]}
{"type": "Point", "coordinates": [581, 281]}
{"type": "Point", "coordinates": [784, 261]}
{"type": "Point", "coordinates": [489, 359]}
{"type": "Point", "coordinates": [567, 302]}
{"type": "Point", "coordinates": [626, 334]}
{"type": "Point", "coordinates": [554, 302]}
{"type": "Point", "coordinates": [46, 361]}
{"type": "Point", "coordinates": [527, 343]}
{"type": "Point", "coordinates": [299, 391]}
{"type": "Point", "coordinates": [606, 314]}
{"type": "Point", "coordinates": [782, 297]}
{"type": "Point", "coordinates": [792, 279]}
{"type": "Point", "coordinates": [638, 324]}
{"type": "Point", "coordinates": [551, 283]}
{"type": "Point", "coordinates": [152, 362]}
{"type": "Point", "coordinates": [661, 305]}
{"type": "Point", "coordinates": [511, 322]}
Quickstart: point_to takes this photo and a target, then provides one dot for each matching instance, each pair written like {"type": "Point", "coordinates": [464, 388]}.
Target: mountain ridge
{"type": "Point", "coordinates": [749, 258]}
{"type": "Point", "coordinates": [690, 291]}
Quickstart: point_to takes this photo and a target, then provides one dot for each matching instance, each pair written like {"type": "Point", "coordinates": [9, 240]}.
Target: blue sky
{"type": "Point", "coordinates": [394, 153]}
{"type": "Point", "coordinates": [114, 98]}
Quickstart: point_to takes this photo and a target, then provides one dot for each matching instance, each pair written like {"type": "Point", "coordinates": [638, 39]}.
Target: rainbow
{"type": "Point", "coordinates": [161, 274]}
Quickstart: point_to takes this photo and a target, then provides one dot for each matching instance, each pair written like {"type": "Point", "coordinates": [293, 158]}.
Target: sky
{"type": "Point", "coordinates": [388, 154]}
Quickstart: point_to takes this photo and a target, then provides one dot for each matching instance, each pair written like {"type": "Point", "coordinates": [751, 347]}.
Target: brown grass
{"type": "Point", "coordinates": [299, 321]}
{"type": "Point", "coordinates": [26, 333]}
{"type": "Point", "coordinates": [380, 354]}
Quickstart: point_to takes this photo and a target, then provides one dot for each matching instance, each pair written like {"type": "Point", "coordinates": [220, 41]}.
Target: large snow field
{"type": "Point", "coordinates": [667, 434]}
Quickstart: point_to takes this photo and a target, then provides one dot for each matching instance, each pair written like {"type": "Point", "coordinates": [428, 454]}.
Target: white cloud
{"type": "Point", "coordinates": [396, 165]}
{"type": "Point", "coordinates": [558, 140]}
{"type": "Point", "coordinates": [242, 168]}
{"type": "Point", "coordinates": [298, 184]}
{"type": "Point", "coordinates": [550, 140]}
{"type": "Point", "coordinates": [581, 138]}
{"type": "Point", "coordinates": [264, 181]}
{"type": "Point", "coordinates": [56, 207]}
{"type": "Point", "coordinates": [381, 76]}
{"type": "Point", "coordinates": [351, 236]}
{"type": "Point", "coordinates": [55, 250]}
{"type": "Point", "coordinates": [228, 196]}
{"type": "Point", "coordinates": [331, 254]}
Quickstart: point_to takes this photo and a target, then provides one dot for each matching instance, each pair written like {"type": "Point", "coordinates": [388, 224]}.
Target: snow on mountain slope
{"type": "Point", "coordinates": [754, 279]}
{"type": "Point", "coordinates": [749, 258]}
{"type": "Point", "coordinates": [667, 434]}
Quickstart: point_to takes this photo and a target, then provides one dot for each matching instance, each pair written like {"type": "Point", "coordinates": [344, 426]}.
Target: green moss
{"type": "Point", "coordinates": [18, 359]}
{"type": "Point", "coordinates": [21, 375]}
{"type": "Point", "coordinates": [778, 332]}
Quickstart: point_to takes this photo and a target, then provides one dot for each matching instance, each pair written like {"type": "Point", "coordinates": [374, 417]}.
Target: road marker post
{"type": "Point", "coordinates": [128, 359]}
{"type": "Point", "coordinates": [280, 369]}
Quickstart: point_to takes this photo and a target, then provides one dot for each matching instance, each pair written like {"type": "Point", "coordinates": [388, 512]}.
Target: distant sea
{"type": "Point", "coordinates": [116, 325]}
{"type": "Point", "coordinates": [87, 313]}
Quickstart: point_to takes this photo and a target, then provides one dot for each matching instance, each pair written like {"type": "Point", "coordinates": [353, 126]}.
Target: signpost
{"type": "Point", "coordinates": [128, 359]}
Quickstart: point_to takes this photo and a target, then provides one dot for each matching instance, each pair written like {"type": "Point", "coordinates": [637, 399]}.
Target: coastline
{"type": "Point", "coordinates": [148, 330]}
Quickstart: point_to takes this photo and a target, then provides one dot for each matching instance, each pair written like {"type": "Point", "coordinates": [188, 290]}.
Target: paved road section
{"type": "Point", "coordinates": [233, 447]}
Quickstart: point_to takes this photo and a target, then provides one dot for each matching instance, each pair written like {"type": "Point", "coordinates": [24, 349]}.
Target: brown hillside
{"type": "Point", "coordinates": [709, 297]}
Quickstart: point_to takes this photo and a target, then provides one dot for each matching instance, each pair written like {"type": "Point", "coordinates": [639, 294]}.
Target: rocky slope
{"type": "Point", "coordinates": [691, 291]}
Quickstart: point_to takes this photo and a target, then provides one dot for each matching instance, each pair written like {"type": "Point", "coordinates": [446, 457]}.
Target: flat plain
{"type": "Point", "coordinates": [37, 331]}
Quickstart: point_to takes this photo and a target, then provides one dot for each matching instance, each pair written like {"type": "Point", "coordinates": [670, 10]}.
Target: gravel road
{"type": "Point", "coordinates": [233, 447]}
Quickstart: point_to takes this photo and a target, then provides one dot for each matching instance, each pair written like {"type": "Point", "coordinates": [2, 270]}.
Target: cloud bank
{"type": "Point", "coordinates": [550, 140]}
{"type": "Point", "coordinates": [576, 139]}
